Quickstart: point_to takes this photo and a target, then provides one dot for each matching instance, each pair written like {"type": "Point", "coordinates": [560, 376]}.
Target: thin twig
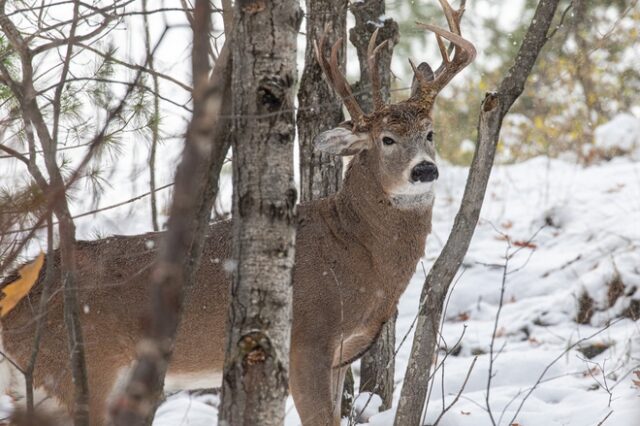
{"type": "Point", "coordinates": [455, 400]}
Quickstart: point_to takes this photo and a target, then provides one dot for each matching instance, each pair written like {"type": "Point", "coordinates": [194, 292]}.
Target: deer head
{"type": "Point", "coordinates": [398, 138]}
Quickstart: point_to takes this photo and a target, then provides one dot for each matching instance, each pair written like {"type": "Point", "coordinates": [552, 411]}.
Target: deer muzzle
{"type": "Point", "coordinates": [425, 171]}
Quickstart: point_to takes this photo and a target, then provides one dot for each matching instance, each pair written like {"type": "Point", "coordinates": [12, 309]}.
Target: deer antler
{"type": "Point", "coordinates": [335, 77]}
{"type": "Point", "coordinates": [464, 53]}
{"type": "Point", "coordinates": [372, 56]}
{"type": "Point", "coordinates": [338, 81]}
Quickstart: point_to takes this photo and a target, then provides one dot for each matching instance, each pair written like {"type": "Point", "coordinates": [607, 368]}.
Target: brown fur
{"type": "Point", "coordinates": [355, 254]}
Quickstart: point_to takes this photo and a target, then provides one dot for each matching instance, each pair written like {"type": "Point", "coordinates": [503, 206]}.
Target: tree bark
{"type": "Point", "coordinates": [318, 108]}
{"type": "Point", "coordinates": [377, 366]}
{"type": "Point", "coordinates": [367, 14]}
{"type": "Point", "coordinates": [255, 380]}
{"type": "Point", "coordinates": [196, 185]}
{"type": "Point", "coordinates": [492, 111]}
{"type": "Point", "coordinates": [154, 125]}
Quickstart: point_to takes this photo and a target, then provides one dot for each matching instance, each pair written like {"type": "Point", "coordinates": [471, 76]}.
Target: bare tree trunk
{"type": "Point", "coordinates": [584, 69]}
{"type": "Point", "coordinates": [72, 317]}
{"type": "Point", "coordinates": [367, 14]}
{"type": "Point", "coordinates": [195, 189]}
{"type": "Point", "coordinates": [255, 381]}
{"type": "Point", "coordinates": [494, 107]}
{"type": "Point", "coordinates": [155, 123]}
{"type": "Point", "coordinates": [42, 306]}
{"type": "Point", "coordinates": [318, 108]}
{"type": "Point", "coordinates": [377, 364]}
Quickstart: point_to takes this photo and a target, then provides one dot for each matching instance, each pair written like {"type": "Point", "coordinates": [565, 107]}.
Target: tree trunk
{"type": "Point", "coordinates": [318, 108]}
{"type": "Point", "coordinates": [154, 125]}
{"type": "Point", "coordinates": [494, 107]}
{"type": "Point", "coordinates": [196, 185]}
{"type": "Point", "coordinates": [377, 364]}
{"type": "Point", "coordinates": [584, 69]}
{"type": "Point", "coordinates": [367, 14]}
{"type": "Point", "coordinates": [255, 381]}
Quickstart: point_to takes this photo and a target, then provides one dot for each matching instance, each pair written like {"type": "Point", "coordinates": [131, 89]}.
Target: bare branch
{"type": "Point", "coordinates": [437, 283]}
{"type": "Point", "coordinates": [455, 400]}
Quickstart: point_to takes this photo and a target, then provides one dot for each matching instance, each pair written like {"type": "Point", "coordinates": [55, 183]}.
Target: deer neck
{"type": "Point", "coordinates": [368, 216]}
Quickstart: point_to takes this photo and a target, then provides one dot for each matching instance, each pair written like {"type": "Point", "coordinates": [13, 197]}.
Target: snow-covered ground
{"type": "Point", "coordinates": [568, 231]}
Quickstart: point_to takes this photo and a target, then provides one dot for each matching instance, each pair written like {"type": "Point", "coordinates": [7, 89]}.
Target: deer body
{"type": "Point", "coordinates": [355, 254]}
{"type": "Point", "coordinates": [354, 260]}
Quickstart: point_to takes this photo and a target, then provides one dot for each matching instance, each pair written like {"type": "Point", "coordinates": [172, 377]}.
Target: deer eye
{"type": "Point", "coordinates": [388, 141]}
{"type": "Point", "coordinates": [430, 136]}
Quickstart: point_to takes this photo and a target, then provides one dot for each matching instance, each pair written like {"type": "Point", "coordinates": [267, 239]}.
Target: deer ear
{"type": "Point", "coordinates": [425, 71]}
{"type": "Point", "coordinates": [341, 141]}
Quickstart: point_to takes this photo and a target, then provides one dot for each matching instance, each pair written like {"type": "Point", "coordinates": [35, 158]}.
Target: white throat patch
{"type": "Point", "coordinates": [413, 201]}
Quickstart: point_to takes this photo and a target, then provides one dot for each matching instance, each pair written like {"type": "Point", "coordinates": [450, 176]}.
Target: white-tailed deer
{"type": "Point", "coordinates": [355, 254]}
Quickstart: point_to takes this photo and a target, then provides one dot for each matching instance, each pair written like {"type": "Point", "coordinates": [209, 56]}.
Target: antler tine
{"type": "Point", "coordinates": [453, 16]}
{"type": "Point", "coordinates": [336, 79]}
{"type": "Point", "coordinates": [464, 52]}
{"type": "Point", "coordinates": [453, 20]}
{"type": "Point", "coordinates": [342, 85]}
{"type": "Point", "coordinates": [372, 56]}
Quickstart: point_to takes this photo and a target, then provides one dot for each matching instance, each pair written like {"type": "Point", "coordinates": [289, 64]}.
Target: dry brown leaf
{"type": "Point", "coordinates": [527, 244]}
{"type": "Point", "coordinates": [15, 291]}
{"type": "Point", "coordinates": [463, 316]}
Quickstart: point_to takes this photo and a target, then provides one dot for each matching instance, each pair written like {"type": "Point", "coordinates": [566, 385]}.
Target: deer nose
{"type": "Point", "coordinates": [424, 172]}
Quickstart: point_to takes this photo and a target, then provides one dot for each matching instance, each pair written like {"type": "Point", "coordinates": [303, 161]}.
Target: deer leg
{"type": "Point", "coordinates": [313, 383]}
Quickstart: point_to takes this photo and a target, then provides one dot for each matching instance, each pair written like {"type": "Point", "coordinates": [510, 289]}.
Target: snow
{"type": "Point", "coordinates": [622, 133]}
{"type": "Point", "coordinates": [6, 407]}
{"type": "Point", "coordinates": [186, 409]}
{"type": "Point", "coordinates": [572, 230]}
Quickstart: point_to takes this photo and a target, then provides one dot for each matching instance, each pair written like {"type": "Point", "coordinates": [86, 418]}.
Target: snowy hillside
{"type": "Point", "coordinates": [571, 235]}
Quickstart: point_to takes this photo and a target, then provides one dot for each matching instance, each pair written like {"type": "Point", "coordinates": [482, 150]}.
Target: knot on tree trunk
{"type": "Point", "coordinates": [252, 6]}
{"type": "Point", "coordinates": [490, 101]}
{"type": "Point", "coordinates": [273, 92]}
{"type": "Point", "coordinates": [254, 348]}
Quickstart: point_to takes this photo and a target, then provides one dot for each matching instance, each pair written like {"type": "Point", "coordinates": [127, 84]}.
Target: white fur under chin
{"type": "Point", "coordinates": [414, 195]}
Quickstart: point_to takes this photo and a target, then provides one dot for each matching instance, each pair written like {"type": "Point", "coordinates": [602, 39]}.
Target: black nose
{"type": "Point", "coordinates": [424, 172]}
